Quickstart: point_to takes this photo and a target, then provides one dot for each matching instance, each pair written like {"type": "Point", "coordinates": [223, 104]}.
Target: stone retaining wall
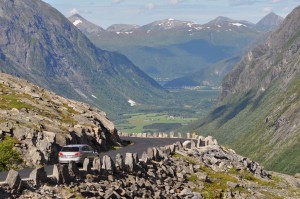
{"type": "Point", "coordinates": [67, 173]}
{"type": "Point", "coordinates": [160, 135]}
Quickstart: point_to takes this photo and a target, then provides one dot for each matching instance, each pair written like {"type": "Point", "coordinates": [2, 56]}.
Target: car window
{"type": "Point", "coordinates": [85, 148]}
{"type": "Point", "coordinates": [70, 149]}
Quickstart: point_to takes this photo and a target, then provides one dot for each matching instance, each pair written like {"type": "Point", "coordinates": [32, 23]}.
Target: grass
{"type": "Point", "coordinates": [219, 180]}
{"type": "Point", "coordinates": [139, 122]}
{"type": "Point", "coordinates": [9, 101]}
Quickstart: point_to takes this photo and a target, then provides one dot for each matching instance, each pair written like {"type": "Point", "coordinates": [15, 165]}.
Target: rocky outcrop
{"type": "Point", "coordinates": [42, 121]}
{"type": "Point", "coordinates": [208, 171]}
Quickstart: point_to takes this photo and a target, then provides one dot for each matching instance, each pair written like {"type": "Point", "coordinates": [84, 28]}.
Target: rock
{"type": "Point", "coordinates": [232, 184]}
{"type": "Point", "coordinates": [202, 176]}
{"type": "Point", "coordinates": [108, 164]}
{"type": "Point", "coordinates": [111, 194]}
{"type": "Point", "coordinates": [120, 163]}
{"type": "Point", "coordinates": [150, 153]}
{"type": "Point", "coordinates": [97, 164]}
{"type": "Point", "coordinates": [297, 175]}
{"type": "Point", "coordinates": [193, 144]}
{"type": "Point", "coordinates": [186, 144]}
{"type": "Point", "coordinates": [145, 158]}
{"type": "Point", "coordinates": [186, 192]}
{"type": "Point", "coordinates": [39, 176]}
{"type": "Point", "coordinates": [73, 169]}
{"type": "Point", "coordinates": [155, 154]}
{"type": "Point", "coordinates": [61, 173]}
{"type": "Point", "coordinates": [14, 181]}
{"type": "Point", "coordinates": [179, 145]}
{"type": "Point", "coordinates": [201, 142]}
{"type": "Point", "coordinates": [87, 166]}
{"type": "Point", "coordinates": [209, 140]}
{"type": "Point", "coordinates": [135, 158]}
{"type": "Point", "coordinates": [197, 195]}
{"type": "Point", "coordinates": [129, 162]}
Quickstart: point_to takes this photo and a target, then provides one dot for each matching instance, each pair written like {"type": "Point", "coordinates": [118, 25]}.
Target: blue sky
{"type": "Point", "coordinates": [141, 12]}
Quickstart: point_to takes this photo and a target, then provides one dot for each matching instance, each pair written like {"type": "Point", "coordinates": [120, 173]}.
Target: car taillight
{"type": "Point", "coordinates": [77, 154]}
{"type": "Point", "coordinates": [60, 154]}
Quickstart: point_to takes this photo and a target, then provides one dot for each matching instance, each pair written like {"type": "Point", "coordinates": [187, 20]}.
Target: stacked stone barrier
{"type": "Point", "coordinates": [108, 168]}
{"type": "Point", "coordinates": [159, 135]}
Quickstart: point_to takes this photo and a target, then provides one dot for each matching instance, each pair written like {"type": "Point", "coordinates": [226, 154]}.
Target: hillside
{"type": "Point", "coordinates": [39, 44]}
{"type": "Point", "coordinates": [258, 112]}
{"type": "Point", "coordinates": [41, 122]}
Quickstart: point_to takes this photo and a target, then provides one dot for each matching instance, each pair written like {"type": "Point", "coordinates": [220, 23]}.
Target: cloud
{"type": "Point", "coordinates": [175, 2]}
{"type": "Point", "coordinates": [242, 2]}
{"type": "Point", "coordinates": [267, 9]}
{"type": "Point", "coordinates": [150, 6]}
{"type": "Point", "coordinates": [117, 1]}
{"type": "Point", "coordinates": [74, 11]}
{"type": "Point", "coordinates": [275, 1]}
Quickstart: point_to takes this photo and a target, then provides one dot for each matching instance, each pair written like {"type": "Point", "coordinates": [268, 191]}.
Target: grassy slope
{"type": "Point", "coordinates": [242, 125]}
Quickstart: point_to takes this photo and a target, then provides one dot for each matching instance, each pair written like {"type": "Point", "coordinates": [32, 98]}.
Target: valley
{"type": "Point", "coordinates": [217, 87]}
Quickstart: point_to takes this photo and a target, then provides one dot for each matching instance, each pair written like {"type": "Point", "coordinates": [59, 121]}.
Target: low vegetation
{"type": "Point", "coordinates": [9, 157]}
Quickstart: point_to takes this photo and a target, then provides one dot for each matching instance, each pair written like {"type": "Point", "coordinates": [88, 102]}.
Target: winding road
{"type": "Point", "coordinates": [139, 146]}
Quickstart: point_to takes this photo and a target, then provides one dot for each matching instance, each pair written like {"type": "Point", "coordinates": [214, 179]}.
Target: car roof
{"type": "Point", "coordinates": [76, 145]}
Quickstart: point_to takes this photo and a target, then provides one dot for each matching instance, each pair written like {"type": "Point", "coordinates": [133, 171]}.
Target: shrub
{"type": "Point", "coordinates": [9, 156]}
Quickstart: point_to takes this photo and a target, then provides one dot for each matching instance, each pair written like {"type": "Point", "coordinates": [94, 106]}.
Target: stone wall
{"type": "Point", "coordinates": [152, 171]}
{"type": "Point", "coordinates": [160, 135]}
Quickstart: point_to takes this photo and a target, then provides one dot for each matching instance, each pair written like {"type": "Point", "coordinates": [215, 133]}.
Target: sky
{"type": "Point", "coordinates": [107, 12]}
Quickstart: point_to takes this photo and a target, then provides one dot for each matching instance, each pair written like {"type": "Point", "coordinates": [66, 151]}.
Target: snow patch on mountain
{"type": "Point", "coordinates": [78, 21]}
{"type": "Point", "coordinates": [238, 24]}
{"type": "Point", "coordinates": [131, 102]}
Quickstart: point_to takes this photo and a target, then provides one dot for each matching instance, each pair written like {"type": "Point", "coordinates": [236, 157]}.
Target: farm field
{"type": "Point", "coordinates": [152, 122]}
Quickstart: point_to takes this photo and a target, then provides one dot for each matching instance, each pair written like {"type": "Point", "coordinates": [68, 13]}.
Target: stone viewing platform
{"type": "Point", "coordinates": [179, 170]}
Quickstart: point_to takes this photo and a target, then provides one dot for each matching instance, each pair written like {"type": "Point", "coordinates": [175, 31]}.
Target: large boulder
{"type": "Point", "coordinates": [14, 181]}
{"type": "Point", "coordinates": [39, 176]}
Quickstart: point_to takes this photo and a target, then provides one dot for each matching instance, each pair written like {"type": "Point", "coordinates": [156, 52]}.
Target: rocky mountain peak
{"type": "Point", "coordinates": [229, 23]}
{"type": "Point", "coordinates": [269, 22]}
{"type": "Point", "coordinates": [122, 27]}
{"type": "Point", "coordinates": [168, 24]}
{"type": "Point", "coordinates": [84, 24]}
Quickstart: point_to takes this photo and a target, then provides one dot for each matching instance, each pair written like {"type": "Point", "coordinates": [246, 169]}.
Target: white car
{"type": "Point", "coordinates": [76, 153]}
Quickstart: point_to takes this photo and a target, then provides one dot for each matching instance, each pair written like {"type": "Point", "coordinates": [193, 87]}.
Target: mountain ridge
{"type": "Point", "coordinates": [258, 110]}
{"type": "Point", "coordinates": [159, 47]}
{"type": "Point", "coordinates": [42, 46]}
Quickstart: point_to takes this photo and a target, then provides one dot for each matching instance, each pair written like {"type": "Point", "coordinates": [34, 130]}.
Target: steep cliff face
{"type": "Point", "coordinates": [42, 121]}
{"type": "Point", "coordinates": [259, 108]}
{"type": "Point", "coordinates": [40, 44]}
{"type": "Point", "coordinates": [277, 57]}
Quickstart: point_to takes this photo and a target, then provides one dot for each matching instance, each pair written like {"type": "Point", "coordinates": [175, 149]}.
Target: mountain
{"type": "Point", "coordinates": [121, 28]}
{"type": "Point", "coordinates": [39, 44]}
{"type": "Point", "coordinates": [169, 49]}
{"type": "Point", "coordinates": [258, 111]}
{"type": "Point", "coordinates": [41, 122]}
{"type": "Point", "coordinates": [225, 22]}
{"type": "Point", "coordinates": [269, 23]}
{"type": "Point", "coordinates": [210, 77]}
{"type": "Point", "coordinates": [86, 26]}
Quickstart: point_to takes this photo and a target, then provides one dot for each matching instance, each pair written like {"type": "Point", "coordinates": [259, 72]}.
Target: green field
{"type": "Point", "coordinates": [151, 122]}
